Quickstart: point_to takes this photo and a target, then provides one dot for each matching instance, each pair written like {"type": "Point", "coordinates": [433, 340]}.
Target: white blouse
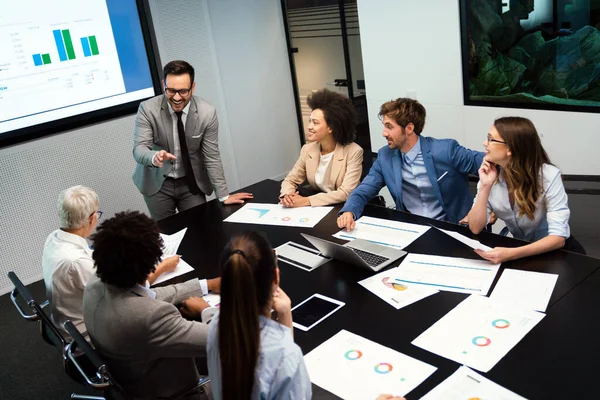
{"type": "Point", "coordinates": [324, 161]}
{"type": "Point", "coordinates": [551, 214]}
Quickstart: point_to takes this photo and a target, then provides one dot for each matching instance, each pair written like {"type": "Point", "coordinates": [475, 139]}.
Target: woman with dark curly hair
{"type": "Point", "coordinates": [519, 184]}
{"type": "Point", "coordinates": [331, 162]}
{"type": "Point", "coordinates": [139, 331]}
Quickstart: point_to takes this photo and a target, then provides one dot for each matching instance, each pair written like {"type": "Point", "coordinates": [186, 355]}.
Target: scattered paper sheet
{"type": "Point", "coordinates": [450, 274]}
{"type": "Point", "coordinates": [276, 214]}
{"type": "Point", "coordinates": [172, 242]}
{"type": "Point", "coordinates": [396, 294]}
{"type": "Point", "coordinates": [478, 332]}
{"type": "Point", "coordinates": [213, 299]}
{"type": "Point", "coordinates": [353, 367]}
{"type": "Point", "coordinates": [468, 384]}
{"type": "Point", "coordinates": [385, 232]}
{"type": "Point", "coordinates": [472, 243]}
{"type": "Point", "coordinates": [182, 268]}
{"type": "Point", "coordinates": [526, 289]}
{"type": "Point", "coordinates": [300, 256]}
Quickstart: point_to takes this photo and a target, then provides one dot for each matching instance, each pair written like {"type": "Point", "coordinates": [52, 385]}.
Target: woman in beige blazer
{"type": "Point", "coordinates": [331, 162]}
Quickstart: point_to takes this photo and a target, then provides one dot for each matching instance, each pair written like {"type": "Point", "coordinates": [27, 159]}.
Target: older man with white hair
{"type": "Point", "coordinates": [67, 260]}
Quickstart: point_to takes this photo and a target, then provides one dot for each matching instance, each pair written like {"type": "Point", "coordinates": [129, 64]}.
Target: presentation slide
{"type": "Point", "coordinates": [63, 58]}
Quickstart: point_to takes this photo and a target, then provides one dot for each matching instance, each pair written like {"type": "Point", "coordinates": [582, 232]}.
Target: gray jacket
{"type": "Point", "coordinates": [154, 132]}
{"type": "Point", "coordinates": [146, 343]}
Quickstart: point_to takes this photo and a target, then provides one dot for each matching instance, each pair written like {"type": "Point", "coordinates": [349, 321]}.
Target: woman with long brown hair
{"type": "Point", "coordinates": [251, 356]}
{"type": "Point", "coordinates": [520, 185]}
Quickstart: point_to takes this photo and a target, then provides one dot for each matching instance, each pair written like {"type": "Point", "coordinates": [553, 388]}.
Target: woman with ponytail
{"type": "Point", "coordinates": [250, 355]}
{"type": "Point", "coordinates": [520, 185]}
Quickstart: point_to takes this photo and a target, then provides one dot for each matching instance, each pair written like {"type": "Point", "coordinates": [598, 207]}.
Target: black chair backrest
{"type": "Point", "coordinates": [50, 332]}
{"type": "Point", "coordinates": [99, 378]}
{"type": "Point", "coordinates": [21, 292]}
{"type": "Point", "coordinates": [82, 344]}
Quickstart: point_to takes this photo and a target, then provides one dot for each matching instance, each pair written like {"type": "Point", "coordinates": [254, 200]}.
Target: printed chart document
{"type": "Point", "coordinates": [468, 384]}
{"type": "Point", "coordinates": [529, 290]}
{"type": "Point", "coordinates": [382, 231]}
{"type": "Point", "coordinates": [172, 242]}
{"type": "Point", "coordinates": [276, 214]}
{"type": "Point", "coordinates": [353, 367]}
{"type": "Point", "coordinates": [478, 332]}
{"type": "Point", "coordinates": [182, 268]}
{"type": "Point", "coordinates": [472, 243]}
{"type": "Point", "coordinates": [300, 256]}
{"type": "Point", "coordinates": [451, 274]}
{"type": "Point", "coordinates": [396, 294]}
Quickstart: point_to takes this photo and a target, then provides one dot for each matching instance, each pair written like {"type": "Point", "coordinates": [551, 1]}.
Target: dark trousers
{"type": "Point", "coordinates": [173, 195]}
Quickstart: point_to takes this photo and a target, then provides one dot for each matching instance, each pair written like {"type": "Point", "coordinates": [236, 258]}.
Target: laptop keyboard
{"type": "Point", "coordinates": [372, 259]}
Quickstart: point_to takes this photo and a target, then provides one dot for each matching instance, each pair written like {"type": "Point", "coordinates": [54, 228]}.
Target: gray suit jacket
{"type": "Point", "coordinates": [154, 132]}
{"type": "Point", "coordinates": [146, 343]}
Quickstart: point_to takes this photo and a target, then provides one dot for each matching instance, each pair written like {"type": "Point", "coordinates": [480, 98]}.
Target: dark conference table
{"type": "Point", "coordinates": [556, 360]}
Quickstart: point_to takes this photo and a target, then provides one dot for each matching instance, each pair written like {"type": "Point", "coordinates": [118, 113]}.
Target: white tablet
{"type": "Point", "coordinates": [314, 310]}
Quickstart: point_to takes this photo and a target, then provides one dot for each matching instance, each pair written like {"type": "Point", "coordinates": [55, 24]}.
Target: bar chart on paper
{"type": "Point", "coordinates": [62, 51]}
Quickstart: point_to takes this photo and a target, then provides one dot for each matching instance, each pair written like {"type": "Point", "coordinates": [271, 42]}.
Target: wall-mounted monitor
{"type": "Point", "coordinates": [541, 54]}
{"type": "Point", "coordinates": [68, 63]}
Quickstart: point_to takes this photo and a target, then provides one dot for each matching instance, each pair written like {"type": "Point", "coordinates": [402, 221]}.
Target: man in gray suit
{"type": "Point", "coordinates": [176, 146]}
{"type": "Point", "coordinates": [140, 333]}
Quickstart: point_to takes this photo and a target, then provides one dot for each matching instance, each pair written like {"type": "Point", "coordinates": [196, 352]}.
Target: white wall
{"type": "Point", "coordinates": [99, 156]}
{"type": "Point", "coordinates": [256, 82]}
{"type": "Point", "coordinates": [415, 46]}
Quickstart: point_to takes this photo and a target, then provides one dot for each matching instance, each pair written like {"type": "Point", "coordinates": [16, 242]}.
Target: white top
{"type": "Point", "coordinates": [552, 209]}
{"type": "Point", "coordinates": [178, 169]}
{"type": "Point", "coordinates": [280, 369]}
{"type": "Point", "coordinates": [68, 266]}
{"type": "Point", "coordinates": [324, 161]}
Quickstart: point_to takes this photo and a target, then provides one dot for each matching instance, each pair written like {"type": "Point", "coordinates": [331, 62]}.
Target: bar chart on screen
{"type": "Point", "coordinates": [57, 54]}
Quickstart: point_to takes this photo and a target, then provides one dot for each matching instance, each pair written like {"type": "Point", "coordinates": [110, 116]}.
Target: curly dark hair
{"type": "Point", "coordinates": [126, 249]}
{"type": "Point", "coordinates": [178, 67]}
{"type": "Point", "coordinates": [339, 113]}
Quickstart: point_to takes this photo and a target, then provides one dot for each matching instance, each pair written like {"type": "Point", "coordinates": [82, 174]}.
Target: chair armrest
{"type": "Point", "coordinates": [88, 380]}
{"type": "Point", "coordinates": [21, 290]}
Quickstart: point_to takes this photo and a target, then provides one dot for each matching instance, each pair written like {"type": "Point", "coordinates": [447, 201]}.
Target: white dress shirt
{"type": "Point", "coordinates": [324, 161]}
{"type": "Point", "coordinates": [551, 214]}
{"type": "Point", "coordinates": [68, 266]}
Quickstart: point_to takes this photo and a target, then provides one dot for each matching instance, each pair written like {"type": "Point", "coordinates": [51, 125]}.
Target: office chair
{"type": "Point", "coordinates": [100, 378]}
{"type": "Point", "coordinates": [49, 331]}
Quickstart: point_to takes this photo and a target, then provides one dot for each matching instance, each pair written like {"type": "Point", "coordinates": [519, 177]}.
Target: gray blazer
{"type": "Point", "coordinates": [146, 343]}
{"type": "Point", "coordinates": [154, 131]}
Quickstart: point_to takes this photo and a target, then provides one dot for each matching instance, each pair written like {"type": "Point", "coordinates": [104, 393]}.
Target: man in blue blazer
{"type": "Point", "coordinates": [425, 176]}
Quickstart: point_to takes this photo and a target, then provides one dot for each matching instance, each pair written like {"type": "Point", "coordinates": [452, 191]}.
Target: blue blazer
{"type": "Point", "coordinates": [441, 156]}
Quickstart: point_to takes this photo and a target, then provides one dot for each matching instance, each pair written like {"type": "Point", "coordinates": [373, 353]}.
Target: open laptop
{"type": "Point", "coordinates": [357, 252]}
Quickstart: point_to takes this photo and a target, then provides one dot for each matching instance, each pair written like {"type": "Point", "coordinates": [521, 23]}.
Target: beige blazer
{"type": "Point", "coordinates": [342, 176]}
